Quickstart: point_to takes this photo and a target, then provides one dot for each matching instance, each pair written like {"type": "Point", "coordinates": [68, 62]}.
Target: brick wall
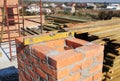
{"type": "Point", "coordinates": [9, 2]}
{"type": "Point", "coordinates": [68, 59]}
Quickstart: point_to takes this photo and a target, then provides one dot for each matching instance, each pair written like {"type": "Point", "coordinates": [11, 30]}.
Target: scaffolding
{"type": "Point", "coordinates": [9, 19]}
{"type": "Point", "coordinates": [29, 19]}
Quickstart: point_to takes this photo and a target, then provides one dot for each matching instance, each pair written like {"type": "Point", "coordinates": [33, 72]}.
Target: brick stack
{"type": "Point", "coordinates": [67, 59]}
{"type": "Point", "coordinates": [12, 27]}
{"type": "Point", "coordinates": [9, 2]}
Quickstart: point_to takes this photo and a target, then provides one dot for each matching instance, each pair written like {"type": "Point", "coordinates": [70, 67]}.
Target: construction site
{"type": "Point", "coordinates": [58, 47]}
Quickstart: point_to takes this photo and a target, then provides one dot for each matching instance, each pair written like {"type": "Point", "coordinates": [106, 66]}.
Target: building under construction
{"type": "Point", "coordinates": [57, 48]}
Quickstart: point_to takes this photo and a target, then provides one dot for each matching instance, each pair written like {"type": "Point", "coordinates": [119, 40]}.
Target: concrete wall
{"type": "Point", "coordinates": [68, 59]}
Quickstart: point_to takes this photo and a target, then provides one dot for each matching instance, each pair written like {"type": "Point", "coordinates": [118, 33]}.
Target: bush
{"type": "Point", "coordinates": [109, 15]}
{"type": "Point", "coordinates": [105, 15]}
{"type": "Point", "coordinates": [116, 13]}
{"type": "Point", "coordinates": [102, 15]}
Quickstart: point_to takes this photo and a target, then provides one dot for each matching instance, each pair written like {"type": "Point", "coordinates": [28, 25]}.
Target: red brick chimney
{"type": "Point", "coordinates": [68, 59]}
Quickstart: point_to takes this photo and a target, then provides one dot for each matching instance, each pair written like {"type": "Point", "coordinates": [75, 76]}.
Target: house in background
{"type": "Point", "coordinates": [45, 5]}
{"type": "Point", "coordinates": [113, 7]}
{"type": "Point", "coordinates": [91, 6]}
{"type": "Point", "coordinates": [70, 9]}
{"type": "Point", "coordinates": [63, 5]}
{"type": "Point", "coordinates": [53, 5]}
{"type": "Point", "coordinates": [33, 8]}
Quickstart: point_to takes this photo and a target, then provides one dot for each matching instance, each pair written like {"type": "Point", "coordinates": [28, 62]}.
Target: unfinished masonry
{"type": "Point", "coordinates": [10, 3]}
{"type": "Point", "coordinates": [68, 59]}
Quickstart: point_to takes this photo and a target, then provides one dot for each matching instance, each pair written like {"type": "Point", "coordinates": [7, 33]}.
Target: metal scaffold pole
{"type": "Point", "coordinates": [41, 17]}
{"type": "Point", "coordinates": [10, 25]}
{"type": "Point", "coordinates": [8, 30]}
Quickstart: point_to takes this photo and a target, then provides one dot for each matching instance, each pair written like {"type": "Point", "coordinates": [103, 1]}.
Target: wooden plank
{"type": "Point", "coordinates": [48, 28]}
{"type": "Point", "coordinates": [92, 29]}
{"type": "Point", "coordinates": [111, 69]}
{"type": "Point", "coordinates": [112, 61]}
{"type": "Point", "coordinates": [37, 30]}
{"type": "Point", "coordinates": [0, 54]}
{"type": "Point", "coordinates": [113, 76]}
{"type": "Point", "coordinates": [52, 26]}
{"type": "Point", "coordinates": [66, 19]}
{"type": "Point", "coordinates": [107, 33]}
{"type": "Point", "coordinates": [28, 31]}
{"type": "Point", "coordinates": [32, 30]}
{"type": "Point", "coordinates": [113, 56]}
{"type": "Point", "coordinates": [105, 28]}
{"type": "Point", "coordinates": [24, 33]}
{"type": "Point", "coordinates": [103, 75]}
{"type": "Point", "coordinates": [99, 41]}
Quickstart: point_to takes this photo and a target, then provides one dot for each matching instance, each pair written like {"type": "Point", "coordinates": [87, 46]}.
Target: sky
{"type": "Point", "coordinates": [84, 0]}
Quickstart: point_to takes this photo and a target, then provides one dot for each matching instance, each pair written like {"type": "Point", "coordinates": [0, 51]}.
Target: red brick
{"type": "Point", "coordinates": [87, 63]}
{"type": "Point", "coordinates": [22, 52]}
{"type": "Point", "coordinates": [33, 74]}
{"type": "Point", "coordinates": [77, 41]}
{"type": "Point", "coordinates": [74, 77]}
{"type": "Point", "coordinates": [22, 77]}
{"type": "Point", "coordinates": [19, 41]}
{"type": "Point", "coordinates": [67, 48]}
{"type": "Point", "coordinates": [56, 43]}
{"type": "Point", "coordinates": [96, 68]}
{"type": "Point", "coordinates": [21, 64]}
{"type": "Point", "coordinates": [88, 79]}
{"type": "Point", "coordinates": [18, 50]}
{"type": "Point", "coordinates": [41, 51]}
{"type": "Point", "coordinates": [97, 76]}
{"type": "Point", "coordinates": [51, 78]}
{"type": "Point", "coordinates": [99, 58]}
{"type": "Point", "coordinates": [40, 72]}
{"type": "Point", "coordinates": [19, 56]}
{"type": "Point", "coordinates": [28, 77]}
{"type": "Point", "coordinates": [62, 73]}
{"type": "Point", "coordinates": [9, 2]}
{"type": "Point", "coordinates": [27, 62]}
{"type": "Point", "coordinates": [32, 59]}
{"type": "Point", "coordinates": [60, 49]}
{"type": "Point", "coordinates": [92, 50]}
{"type": "Point", "coordinates": [48, 70]}
{"type": "Point", "coordinates": [100, 80]}
{"type": "Point", "coordinates": [72, 44]}
{"type": "Point", "coordinates": [65, 59]}
{"type": "Point", "coordinates": [76, 67]}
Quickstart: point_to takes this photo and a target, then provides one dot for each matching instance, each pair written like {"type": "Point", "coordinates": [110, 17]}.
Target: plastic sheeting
{"type": "Point", "coordinates": [9, 74]}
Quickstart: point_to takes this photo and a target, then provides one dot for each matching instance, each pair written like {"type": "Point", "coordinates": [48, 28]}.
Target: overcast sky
{"type": "Point", "coordinates": [85, 0]}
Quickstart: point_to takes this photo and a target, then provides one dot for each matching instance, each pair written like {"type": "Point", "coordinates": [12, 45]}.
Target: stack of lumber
{"type": "Point", "coordinates": [112, 64]}
{"type": "Point", "coordinates": [66, 19]}
{"type": "Point", "coordinates": [107, 33]}
{"type": "Point", "coordinates": [110, 37]}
